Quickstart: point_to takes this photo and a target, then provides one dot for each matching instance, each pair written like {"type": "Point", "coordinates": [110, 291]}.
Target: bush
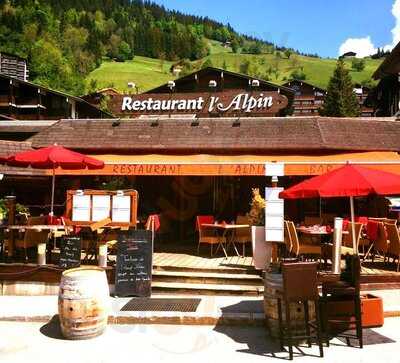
{"type": "Point", "coordinates": [358, 64]}
{"type": "Point", "coordinates": [298, 75]}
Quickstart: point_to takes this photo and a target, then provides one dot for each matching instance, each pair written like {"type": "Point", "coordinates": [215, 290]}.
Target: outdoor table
{"type": "Point", "coordinates": [22, 228]}
{"type": "Point", "coordinates": [228, 231]}
{"type": "Point", "coordinates": [314, 234]}
{"type": "Point", "coordinates": [96, 248]}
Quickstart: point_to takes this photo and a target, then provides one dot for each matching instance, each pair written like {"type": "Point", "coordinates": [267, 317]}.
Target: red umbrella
{"type": "Point", "coordinates": [54, 157]}
{"type": "Point", "coordinates": [347, 181]}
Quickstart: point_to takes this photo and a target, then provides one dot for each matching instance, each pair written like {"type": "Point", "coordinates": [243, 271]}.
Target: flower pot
{"type": "Point", "coordinates": [371, 312]}
{"type": "Point", "coordinates": [261, 249]}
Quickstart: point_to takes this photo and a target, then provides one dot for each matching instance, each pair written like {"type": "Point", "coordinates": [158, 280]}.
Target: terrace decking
{"type": "Point", "coordinates": [176, 273]}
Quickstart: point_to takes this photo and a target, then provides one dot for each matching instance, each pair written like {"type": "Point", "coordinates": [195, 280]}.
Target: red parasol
{"type": "Point", "coordinates": [347, 181]}
{"type": "Point", "coordinates": [54, 157]}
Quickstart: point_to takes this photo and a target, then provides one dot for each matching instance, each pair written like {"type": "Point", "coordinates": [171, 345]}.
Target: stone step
{"type": "Point", "coordinates": [207, 278]}
{"type": "Point", "coordinates": [205, 289]}
{"type": "Point", "coordinates": [223, 270]}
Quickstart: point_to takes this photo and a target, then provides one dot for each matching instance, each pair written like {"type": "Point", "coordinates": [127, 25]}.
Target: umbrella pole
{"type": "Point", "coordinates": [53, 182]}
{"type": "Point", "coordinates": [353, 232]}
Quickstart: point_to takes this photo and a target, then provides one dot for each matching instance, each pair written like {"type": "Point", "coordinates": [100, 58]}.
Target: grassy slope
{"type": "Point", "coordinates": [147, 74]}
{"type": "Point", "coordinates": [318, 71]}
{"type": "Point", "coordinates": [144, 72]}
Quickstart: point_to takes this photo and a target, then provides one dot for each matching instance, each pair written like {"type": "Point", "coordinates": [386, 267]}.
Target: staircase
{"type": "Point", "coordinates": [200, 281]}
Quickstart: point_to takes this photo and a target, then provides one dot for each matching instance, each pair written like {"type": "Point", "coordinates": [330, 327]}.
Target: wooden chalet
{"type": "Point", "coordinates": [385, 98]}
{"type": "Point", "coordinates": [308, 99]}
{"type": "Point", "coordinates": [22, 100]}
{"type": "Point", "coordinates": [14, 66]}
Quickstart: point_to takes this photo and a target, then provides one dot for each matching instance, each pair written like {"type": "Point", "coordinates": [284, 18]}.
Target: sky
{"type": "Point", "coordinates": [326, 27]}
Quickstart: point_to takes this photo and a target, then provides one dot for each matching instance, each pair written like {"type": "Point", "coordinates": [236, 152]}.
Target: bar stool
{"type": "Point", "coordinates": [299, 285]}
{"type": "Point", "coordinates": [344, 293]}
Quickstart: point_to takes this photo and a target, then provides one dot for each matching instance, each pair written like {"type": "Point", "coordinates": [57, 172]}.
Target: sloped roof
{"type": "Point", "coordinates": [224, 135]}
{"type": "Point", "coordinates": [207, 70]}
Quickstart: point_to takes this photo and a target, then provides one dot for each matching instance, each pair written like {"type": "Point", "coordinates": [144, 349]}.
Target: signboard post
{"type": "Point", "coordinates": [133, 271]}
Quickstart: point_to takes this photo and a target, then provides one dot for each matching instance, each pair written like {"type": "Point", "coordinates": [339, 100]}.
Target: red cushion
{"type": "Point", "coordinates": [203, 219]}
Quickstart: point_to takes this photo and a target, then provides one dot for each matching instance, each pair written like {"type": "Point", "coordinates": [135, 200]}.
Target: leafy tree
{"type": "Point", "coordinates": [288, 53]}
{"type": "Point", "coordinates": [298, 75]}
{"type": "Point", "coordinates": [235, 46]}
{"type": "Point", "coordinates": [124, 51]}
{"type": "Point", "coordinates": [358, 64]}
{"type": "Point", "coordinates": [244, 66]}
{"type": "Point", "coordinates": [341, 100]}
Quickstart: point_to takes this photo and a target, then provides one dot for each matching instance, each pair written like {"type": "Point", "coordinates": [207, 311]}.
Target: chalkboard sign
{"type": "Point", "coordinates": [70, 252]}
{"type": "Point", "coordinates": [134, 263]}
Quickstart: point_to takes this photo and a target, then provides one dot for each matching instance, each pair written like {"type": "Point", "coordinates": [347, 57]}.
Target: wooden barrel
{"type": "Point", "coordinates": [273, 287]}
{"type": "Point", "coordinates": [83, 302]}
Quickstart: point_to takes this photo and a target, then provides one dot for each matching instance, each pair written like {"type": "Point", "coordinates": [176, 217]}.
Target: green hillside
{"type": "Point", "coordinates": [148, 73]}
{"type": "Point", "coordinates": [317, 70]}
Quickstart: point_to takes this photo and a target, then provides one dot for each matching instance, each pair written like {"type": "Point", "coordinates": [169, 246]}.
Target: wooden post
{"type": "Point", "coordinates": [11, 204]}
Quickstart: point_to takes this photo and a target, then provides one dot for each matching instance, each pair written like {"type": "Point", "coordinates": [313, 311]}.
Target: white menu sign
{"type": "Point", "coordinates": [121, 208]}
{"type": "Point", "coordinates": [81, 208]}
{"type": "Point", "coordinates": [100, 207]}
{"type": "Point", "coordinates": [274, 215]}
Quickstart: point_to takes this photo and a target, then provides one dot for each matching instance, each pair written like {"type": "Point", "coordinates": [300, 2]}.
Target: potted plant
{"type": "Point", "coordinates": [256, 216]}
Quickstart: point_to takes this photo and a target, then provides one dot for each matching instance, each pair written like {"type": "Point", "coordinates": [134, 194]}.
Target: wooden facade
{"type": "Point", "coordinates": [385, 97]}
{"type": "Point", "coordinates": [21, 100]}
{"type": "Point", "coordinates": [207, 86]}
{"type": "Point", "coordinates": [308, 99]}
{"type": "Point", "coordinates": [14, 66]}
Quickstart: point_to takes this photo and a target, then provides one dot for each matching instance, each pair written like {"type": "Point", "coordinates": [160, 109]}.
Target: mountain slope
{"type": "Point", "coordinates": [147, 74]}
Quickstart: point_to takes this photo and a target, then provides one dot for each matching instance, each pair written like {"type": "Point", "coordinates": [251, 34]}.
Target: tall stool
{"type": "Point", "coordinates": [344, 292]}
{"type": "Point", "coordinates": [299, 285]}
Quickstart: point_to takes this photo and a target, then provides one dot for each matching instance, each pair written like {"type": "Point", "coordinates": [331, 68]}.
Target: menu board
{"type": "Point", "coordinates": [274, 215]}
{"type": "Point", "coordinates": [70, 252]}
{"type": "Point", "coordinates": [121, 208]}
{"type": "Point", "coordinates": [81, 208]}
{"type": "Point", "coordinates": [100, 207]}
{"type": "Point", "coordinates": [134, 263]}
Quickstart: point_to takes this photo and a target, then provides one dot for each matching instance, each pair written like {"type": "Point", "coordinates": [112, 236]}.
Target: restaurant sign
{"type": "Point", "coordinates": [230, 102]}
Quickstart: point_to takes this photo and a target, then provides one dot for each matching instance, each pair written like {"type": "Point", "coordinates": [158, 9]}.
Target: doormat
{"type": "Point", "coordinates": [162, 304]}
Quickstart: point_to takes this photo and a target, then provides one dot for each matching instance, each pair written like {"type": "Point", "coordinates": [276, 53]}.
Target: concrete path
{"type": "Point", "coordinates": [37, 342]}
{"type": "Point", "coordinates": [210, 309]}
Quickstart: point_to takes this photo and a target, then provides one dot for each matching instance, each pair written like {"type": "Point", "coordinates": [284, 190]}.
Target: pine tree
{"type": "Point", "coordinates": [341, 101]}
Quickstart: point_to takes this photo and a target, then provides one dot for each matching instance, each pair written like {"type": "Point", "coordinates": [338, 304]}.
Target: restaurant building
{"type": "Point", "coordinates": [198, 145]}
{"type": "Point", "coordinates": [183, 168]}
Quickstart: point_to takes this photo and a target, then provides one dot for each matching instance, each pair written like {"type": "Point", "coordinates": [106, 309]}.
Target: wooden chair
{"type": "Point", "coordinates": [295, 290]}
{"type": "Point", "coordinates": [347, 242]}
{"type": "Point", "coordinates": [32, 238]}
{"type": "Point", "coordinates": [288, 240]}
{"type": "Point", "coordinates": [301, 249]}
{"type": "Point", "coordinates": [394, 243]}
{"type": "Point", "coordinates": [381, 245]}
{"type": "Point", "coordinates": [207, 235]}
{"type": "Point", "coordinates": [243, 235]}
{"type": "Point", "coordinates": [95, 238]}
{"type": "Point", "coordinates": [337, 293]}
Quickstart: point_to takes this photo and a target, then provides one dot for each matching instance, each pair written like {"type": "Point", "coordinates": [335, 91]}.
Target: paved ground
{"type": "Point", "coordinates": [213, 307]}
{"type": "Point", "coordinates": [33, 342]}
